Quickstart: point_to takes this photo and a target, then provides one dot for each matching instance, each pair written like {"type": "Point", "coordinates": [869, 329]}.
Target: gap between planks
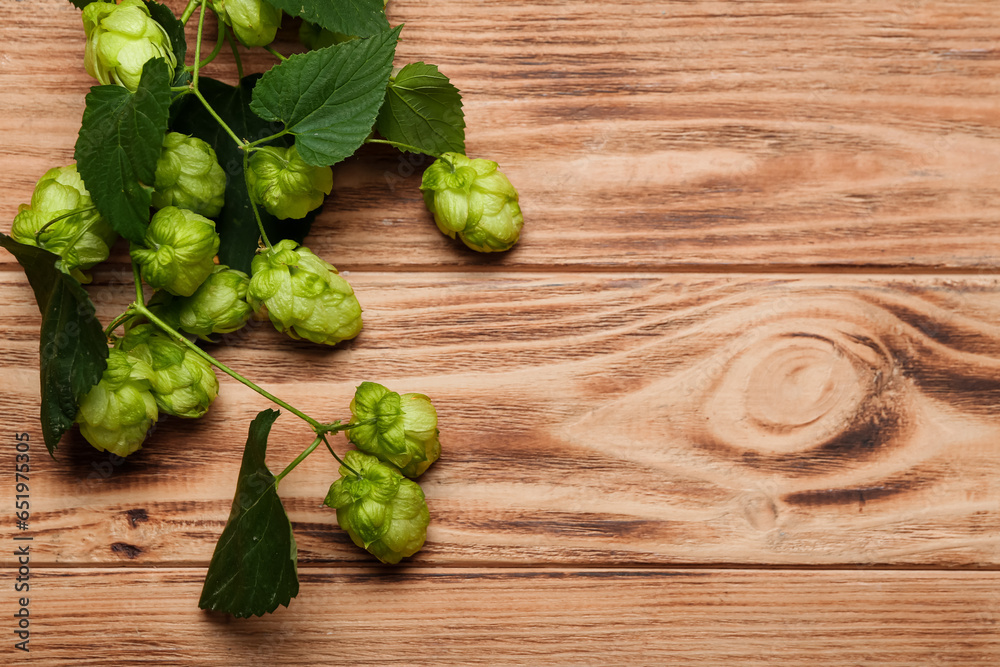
{"type": "Point", "coordinates": [816, 271]}
{"type": "Point", "coordinates": [569, 568]}
{"type": "Point", "coordinates": [490, 617]}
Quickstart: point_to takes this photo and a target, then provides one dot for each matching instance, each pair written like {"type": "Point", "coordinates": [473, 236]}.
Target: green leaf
{"type": "Point", "coordinates": [363, 18]}
{"type": "Point", "coordinates": [175, 31]}
{"type": "Point", "coordinates": [423, 109]}
{"type": "Point", "coordinates": [328, 98]}
{"type": "Point", "coordinates": [236, 225]}
{"type": "Point", "coordinates": [73, 351]}
{"type": "Point", "coordinates": [253, 569]}
{"type": "Point", "coordinates": [119, 144]}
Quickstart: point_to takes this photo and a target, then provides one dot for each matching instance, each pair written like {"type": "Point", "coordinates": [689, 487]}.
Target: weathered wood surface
{"type": "Point", "coordinates": [646, 135]}
{"type": "Point", "coordinates": [603, 417]}
{"type": "Point", "coordinates": [590, 418]}
{"type": "Point", "coordinates": [415, 616]}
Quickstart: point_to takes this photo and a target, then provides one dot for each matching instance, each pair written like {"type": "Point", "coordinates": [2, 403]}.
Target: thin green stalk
{"type": "Point", "coordinates": [253, 204]}
{"type": "Point", "coordinates": [339, 460]}
{"type": "Point", "coordinates": [61, 217]}
{"type": "Point", "coordinates": [211, 111]}
{"type": "Point", "coordinates": [254, 144]}
{"type": "Point", "coordinates": [189, 10]}
{"type": "Point", "coordinates": [332, 428]}
{"type": "Point", "coordinates": [270, 49]}
{"type": "Point", "coordinates": [219, 41]}
{"type": "Point", "coordinates": [140, 298]}
{"type": "Point", "coordinates": [115, 323]}
{"type": "Point", "coordinates": [236, 54]}
{"type": "Point", "coordinates": [402, 146]}
{"type": "Point", "coordinates": [298, 459]}
{"type": "Point", "coordinates": [197, 46]}
{"type": "Point", "coordinates": [170, 331]}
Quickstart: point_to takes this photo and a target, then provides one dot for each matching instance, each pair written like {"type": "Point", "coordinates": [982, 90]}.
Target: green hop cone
{"type": "Point", "coordinates": [303, 295]}
{"type": "Point", "coordinates": [382, 511]}
{"type": "Point", "coordinates": [285, 185]}
{"type": "Point", "coordinates": [183, 384]}
{"type": "Point", "coordinates": [78, 233]}
{"type": "Point", "coordinates": [255, 22]}
{"type": "Point", "coordinates": [218, 306]}
{"type": "Point", "coordinates": [404, 432]}
{"type": "Point", "coordinates": [118, 411]}
{"type": "Point", "coordinates": [473, 200]}
{"type": "Point", "coordinates": [179, 248]}
{"type": "Point", "coordinates": [120, 39]}
{"type": "Point", "coordinates": [188, 176]}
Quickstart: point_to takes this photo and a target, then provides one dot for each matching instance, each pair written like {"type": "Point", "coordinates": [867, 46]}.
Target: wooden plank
{"type": "Point", "coordinates": [645, 135]}
{"type": "Point", "coordinates": [491, 617]}
{"type": "Point", "coordinates": [590, 419]}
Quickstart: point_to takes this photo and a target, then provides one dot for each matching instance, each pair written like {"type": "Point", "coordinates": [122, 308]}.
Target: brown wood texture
{"type": "Point", "coordinates": [529, 617]}
{"type": "Point", "coordinates": [753, 324]}
{"type": "Point", "coordinates": [609, 419]}
{"type": "Point", "coordinates": [648, 135]}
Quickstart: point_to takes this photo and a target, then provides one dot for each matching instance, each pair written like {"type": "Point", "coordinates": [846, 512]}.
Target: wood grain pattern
{"type": "Point", "coordinates": [597, 419]}
{"type": "Point", "coordinates": [647, 135]}
{"type": "Point", "coordinates": [525, 617]}
{"type": "Point", "coordinates": [664, 374]}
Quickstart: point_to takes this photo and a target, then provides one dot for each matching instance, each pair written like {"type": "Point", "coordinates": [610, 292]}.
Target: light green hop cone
{"type": "Point", "coordinates": [177, 251]}
{"type": "Point", "coordinates": [303, 295]}
{"type": "Point", "coordinates": [404, 430]}
{"type": "Point", "coordinates": [188, 176]}
{"type": "Point", "coordinates": [120, 40]}
{"type": "Point", "coordinates": [285, 185]}
{"type": "Point", "coordinates": [254, 22]}
{"type": "Point", "coordinates": [382, 511]}
{"type": "Point", "coordinates": [77, 233]}
{"type": "Point", "coordinates": [119, 410]}
{"type": "Point", "coordinates": [473, 200]}
{"type": "Point", "coordinates": [218, 306]}
{"type": "Point", "coordinates": [182, 383]}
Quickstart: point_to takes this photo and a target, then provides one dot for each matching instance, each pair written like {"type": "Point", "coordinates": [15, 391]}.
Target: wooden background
{"type": "Point", "coordinates": [732, 400]}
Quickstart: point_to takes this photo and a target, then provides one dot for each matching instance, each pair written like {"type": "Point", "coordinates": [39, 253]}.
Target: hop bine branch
{"type": "Point", "coordinates": [217, 248]}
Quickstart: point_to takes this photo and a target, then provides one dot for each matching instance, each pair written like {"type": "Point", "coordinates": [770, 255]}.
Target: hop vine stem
{"type": "Point", "coordinates": [60, 218]}
{"type": "Point", "coordinates": [321, 429]}
{"type": "Point", "coordinates": [197, 46]}
{"type": "Point", "coordinates": [270, 49]}
{"type": "Point", "coordinates": [183, 340]}
{"type": "Point", "coordinates": [340, 460]}
{"type": "Point", "coordinates": [332, 428]}
{"type": "Point", "coordinates": [137, 278]}
{"type": "Point", "coordinates": [253, 204]}
{"type": "Point", "coordinates": [236, 54]}
{"type": "Point", "coordinates": [189, 10]}
{"type": "Point", "coordinates": [219, 41]}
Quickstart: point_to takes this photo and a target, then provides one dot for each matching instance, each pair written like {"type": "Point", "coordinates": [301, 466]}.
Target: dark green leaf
{"type": "Point", "coordinates": [363, 18]}
{"type": "Point", "coordinates": [175, 31]}
{"type": "Point", "coordinates": [236, 225]}
{"type": "Point", "coordinates": [80, 4]}
{"type": "Point", "coordinates": [328, 98]}
{"type": "Point", "coordinates": [181, 78]}
{"type": "Point", "coordinates": [73, 351]}
{"type": "Point", "coordinates": [119, 144]}
{"type": "Point", "coordinates": [424, 110]}
{"type": "Point", "coordinates": [253, 569]}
